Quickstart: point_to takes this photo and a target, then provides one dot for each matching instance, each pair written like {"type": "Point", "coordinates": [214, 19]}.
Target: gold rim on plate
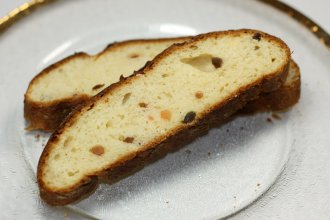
{"type": "Point", "coordinates": [28, 7]}
{"type": "Point", "coordinates": [20, 12]}
{"type": "Point", "coordinates": [312, 26]}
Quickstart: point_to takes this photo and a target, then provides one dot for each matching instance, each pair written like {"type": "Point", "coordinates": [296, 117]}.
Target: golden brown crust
{"type": "Point", "coordinates": [118, 45]}
{"type": "Point", "coordinates": [183, 133]}
{"type": "Point", "coordinates": [48, 117]}
{"type": "Point", "coordinates": [280, 100]}
{"type": "Point", "coordinates": [62, 199]}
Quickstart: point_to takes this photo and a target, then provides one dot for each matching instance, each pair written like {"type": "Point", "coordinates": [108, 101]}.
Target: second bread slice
{"type": "Point", "coordinates": [59, 88]}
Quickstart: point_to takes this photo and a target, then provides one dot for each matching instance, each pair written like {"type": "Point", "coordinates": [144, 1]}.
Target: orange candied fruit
{"type": "Point", "coordinates": [166, 115]}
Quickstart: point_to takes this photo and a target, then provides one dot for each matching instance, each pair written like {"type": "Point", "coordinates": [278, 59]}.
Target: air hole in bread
{"type": "Point", "coordinates": [165, 75]}
{"type": "Point", "coordinates": [143, 105]}
{"type": "Point", "coordinates": [273, 59]}
{"type": "Point", "coordinates": [168, 94]}
{"type": "Point", "coordinates": [70, 173]}
{"type": "Point", "coordinates": [150, 118]}
{"type": "Point", "coordinates": [108, 124]}
{"type": "Point", "coordinates": [67, 141]}
{"type": "Point", "coordinates": [57, 156]}
{"type": "Point", "coordinates": [256, 48]}
{"type": "Point", "coordinates": [98, 86]}
{"type": "Point", "coordinates": [134, 55]}
{"type": "Point", "coordinates": [126, 97]}
{"type": "Point", "coordinates": [204, 62]}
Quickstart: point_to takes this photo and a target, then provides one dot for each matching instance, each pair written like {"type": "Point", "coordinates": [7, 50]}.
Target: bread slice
{"type": "Point", "coordinates": [54, 92]}
{"type": "Point", "coordinates": [176, 97]}
{"type": "Point", "coordinates": [281, 99]}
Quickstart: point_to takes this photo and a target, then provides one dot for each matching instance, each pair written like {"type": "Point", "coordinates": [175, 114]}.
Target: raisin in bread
{"type": "Point", "coordinates": [54, 92]}
{"type": "Point", "coordinates": [176, 97]}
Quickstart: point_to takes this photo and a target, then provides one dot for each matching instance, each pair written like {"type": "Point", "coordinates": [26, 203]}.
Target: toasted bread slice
{"type": "Point", "coordinates": [59, 88]}
{"type": "Point", "coordinates": [280, 100]}
{"type": "Point", "coordinates": [54, 92]}
{"type": "Point", "coordinates": [175, 98]}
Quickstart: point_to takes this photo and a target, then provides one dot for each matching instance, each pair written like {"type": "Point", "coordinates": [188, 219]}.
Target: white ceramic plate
{"type": "Point", "coordinates": [247, 168]}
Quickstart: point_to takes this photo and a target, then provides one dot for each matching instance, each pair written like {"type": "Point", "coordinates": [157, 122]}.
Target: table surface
{"type": "Point", "coordinates": [318, 10]}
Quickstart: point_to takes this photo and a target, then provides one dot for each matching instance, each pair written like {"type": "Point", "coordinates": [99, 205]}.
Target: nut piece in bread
{"type": "Point", "coordinates": [115, 130]}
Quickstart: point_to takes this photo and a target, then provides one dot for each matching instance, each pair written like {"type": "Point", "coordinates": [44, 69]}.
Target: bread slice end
{"type": "Point", "coordinates": [48, 116]}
